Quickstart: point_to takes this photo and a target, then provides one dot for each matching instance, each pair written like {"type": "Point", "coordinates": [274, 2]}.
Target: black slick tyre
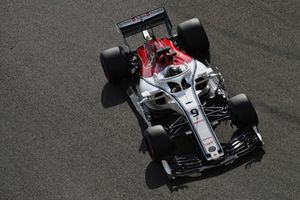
{"type": "Point", "coordinates": [194, 40]}
{"type": "Point", "coordinates": [115, 64]}
{"type": "Point", "coordinates": [158, 142]}
{"type": "Point", "coordinates": [242, 111]}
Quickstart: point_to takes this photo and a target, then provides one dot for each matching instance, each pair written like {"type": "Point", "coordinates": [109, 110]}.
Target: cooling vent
{"type": "Point", "coordinates": [161, 98]}
{"type": "Point", "coordinates": [174, 87]}
{"type": "Point", "coordinates": [201, 83]}
{"type": "Point", "coordinates": [185, 84]}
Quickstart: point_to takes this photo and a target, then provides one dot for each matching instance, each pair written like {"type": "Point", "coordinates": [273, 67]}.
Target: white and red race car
{"type": "Point", "coordinates": [179, 96]}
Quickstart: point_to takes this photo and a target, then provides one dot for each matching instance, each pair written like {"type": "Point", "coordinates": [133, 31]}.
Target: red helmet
{"type": "Point", "coordinates": [165, 59]}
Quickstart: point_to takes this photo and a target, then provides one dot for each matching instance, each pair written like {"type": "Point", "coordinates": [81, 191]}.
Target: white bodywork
{"type": "Point", "coordinates": [185, 101]}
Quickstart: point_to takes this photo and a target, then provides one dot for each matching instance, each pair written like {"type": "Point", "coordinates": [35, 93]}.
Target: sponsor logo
{"type": "Point", "coordinates": [212, 149]}
{"type": "Point", "coordinates": [198, 121]}
{"type": "Point", "coordinates": [206, 138]}
{"type": "Point", "coordinates": [206, 144]}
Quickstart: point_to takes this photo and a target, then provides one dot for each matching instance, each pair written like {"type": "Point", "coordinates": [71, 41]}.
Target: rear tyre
{"type": "Point", "coordinates": [158, 142]}
{"type": "Point", "coordinates": [115, 64]}
{"type": "Point", "coordinates": [194, 39]}
{"type": "Point", "coordinates": [242, 111]}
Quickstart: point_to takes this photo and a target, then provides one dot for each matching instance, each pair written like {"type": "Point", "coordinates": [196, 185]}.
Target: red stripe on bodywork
{"type": "Point", "coordinates": [149, 60]}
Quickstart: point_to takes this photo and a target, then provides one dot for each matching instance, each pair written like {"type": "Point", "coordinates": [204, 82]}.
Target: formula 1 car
{"type": "Point", "coordinates": [179, 96]}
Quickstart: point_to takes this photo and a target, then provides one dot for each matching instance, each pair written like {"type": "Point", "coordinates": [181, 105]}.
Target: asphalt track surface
{"type": "Point", "coordinates": [67, 134]}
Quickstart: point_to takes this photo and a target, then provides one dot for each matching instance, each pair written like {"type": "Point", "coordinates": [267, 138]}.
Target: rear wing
{"type": "Point", "coordinates": [145, 21]}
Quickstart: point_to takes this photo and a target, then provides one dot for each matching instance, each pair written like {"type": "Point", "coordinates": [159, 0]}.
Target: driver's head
{"type": "Point", "coordinates": [172, 71]}
{"type": "Point", "coordinates": [166, 59]}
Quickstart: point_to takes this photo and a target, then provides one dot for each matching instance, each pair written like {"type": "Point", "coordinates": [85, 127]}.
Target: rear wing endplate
{"type": "Point", "coordinates": [145, 21]}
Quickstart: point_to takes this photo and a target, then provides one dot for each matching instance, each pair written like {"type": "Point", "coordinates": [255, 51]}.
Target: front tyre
{"type": "Point", "coordinates": [242, 111]}
{"type": "Point", "coordinates": [115, 64]}
{"type": "Point", "coordinates": [158, 142]}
